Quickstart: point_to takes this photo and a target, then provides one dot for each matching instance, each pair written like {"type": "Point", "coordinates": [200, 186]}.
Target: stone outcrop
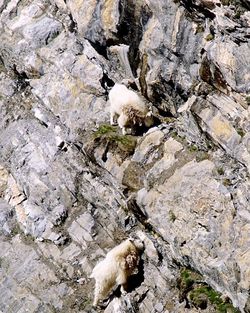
{"type": "Point", "coordinates": [72, 186]}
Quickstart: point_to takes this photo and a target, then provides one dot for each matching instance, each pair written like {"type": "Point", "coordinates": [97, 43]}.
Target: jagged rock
{"type": "Point", "coordinates": [171, 205]}
{"type": "Point", "coordinates": [72, 187]}
{"type": "Point", "coordinates": [22, 270]}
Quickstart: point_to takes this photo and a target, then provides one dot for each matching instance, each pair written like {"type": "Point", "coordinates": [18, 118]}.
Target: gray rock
{"type": "Point", "coordinates": [72, 187]}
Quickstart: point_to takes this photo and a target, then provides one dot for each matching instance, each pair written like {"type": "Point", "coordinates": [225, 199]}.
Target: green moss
{"type": "Point", "coordinates": [124, 140]}
{"type": "Point", "coordinates": [109, 132]}
{"type": "Point", "coordinates": [200, 295]}
{"type": "Point", "coordinates": [213, 297]}
{"type": "Point", "coordinates": [127, 143]}
{"type": "Point", "coordinates": [209, 37]}
{"type": "Point", "coordinates": [104, 129]}
{"type": "Point", "coordinates": [188, 278]}
{"type": "Point", "coordinates": [240, 131]}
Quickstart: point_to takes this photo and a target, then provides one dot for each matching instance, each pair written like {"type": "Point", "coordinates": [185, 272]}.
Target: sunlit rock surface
{"type": "Point", "coordinates": [72, 187]}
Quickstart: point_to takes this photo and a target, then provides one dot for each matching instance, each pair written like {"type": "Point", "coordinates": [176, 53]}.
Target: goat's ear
{"type": "Point", "coordinates": [150, 113]}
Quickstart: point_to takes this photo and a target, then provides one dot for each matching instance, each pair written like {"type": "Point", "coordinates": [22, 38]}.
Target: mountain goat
{"type": "Point", "coordinates": [120, 263]}
{"type": "Point", "coordinates": [130, 108]}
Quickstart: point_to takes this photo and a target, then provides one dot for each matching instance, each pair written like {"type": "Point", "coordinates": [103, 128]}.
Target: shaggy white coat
{"type": "Point", "coordinates": [114, 270]}
{"type": "Point", "coordinates": [130, 108]}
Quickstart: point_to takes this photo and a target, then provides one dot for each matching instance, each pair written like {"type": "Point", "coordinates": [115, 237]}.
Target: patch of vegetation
{"type": "Point", "coordinates": [104, 129]}
{"type": "Point", "coordinates": [126, 141]}
{"type": "Point", "coordinates": [204, 294]}
{"type": "Point", "coordinates": [209, 37]}
{"type": "Point", "coordinates": [188, 278]}
{"type": "Point", "coordinates": [109, 132]}
{"type": "Point", "coordinates": [198, 294]}
{"type": "Point", "coordinates": [240, 131]}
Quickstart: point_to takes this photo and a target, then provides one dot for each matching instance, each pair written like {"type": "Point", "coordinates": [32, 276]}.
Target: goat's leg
{"type": "Point", "coordinates": [122, 122]}
{"type": "Point", "coordinates": [113, 117]}
{"type": "Point", "coordinates": [122, 281]}
{"type": "Point", "coordinates": [97, 294]}
{"type": "Point", "coordinates": [123, 289]}
{"type": "Point", "coordinates": [124, 131]}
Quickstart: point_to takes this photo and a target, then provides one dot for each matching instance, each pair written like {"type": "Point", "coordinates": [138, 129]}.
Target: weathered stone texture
{"type": "Point", "coordinates": [72, 187]}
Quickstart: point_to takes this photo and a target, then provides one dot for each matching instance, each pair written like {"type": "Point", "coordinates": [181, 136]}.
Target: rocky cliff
{"type": "Point", "coordinates": [72, 186]}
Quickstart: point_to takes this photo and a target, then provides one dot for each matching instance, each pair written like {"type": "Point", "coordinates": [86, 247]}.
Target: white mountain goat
{"type": "Point", "coordinates": [120, 263]}
{"type": "Point", "coordinates": [130, 108]}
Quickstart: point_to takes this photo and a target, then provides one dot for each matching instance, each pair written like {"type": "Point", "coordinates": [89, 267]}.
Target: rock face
{"type": "Point", "coordinates": [72, 186]}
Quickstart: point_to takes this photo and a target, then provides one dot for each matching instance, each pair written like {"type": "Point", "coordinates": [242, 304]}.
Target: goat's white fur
{"type": "Point", "coordinates": [130, 108]}
{"type": "Point", "coordinates": [119, 263]}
